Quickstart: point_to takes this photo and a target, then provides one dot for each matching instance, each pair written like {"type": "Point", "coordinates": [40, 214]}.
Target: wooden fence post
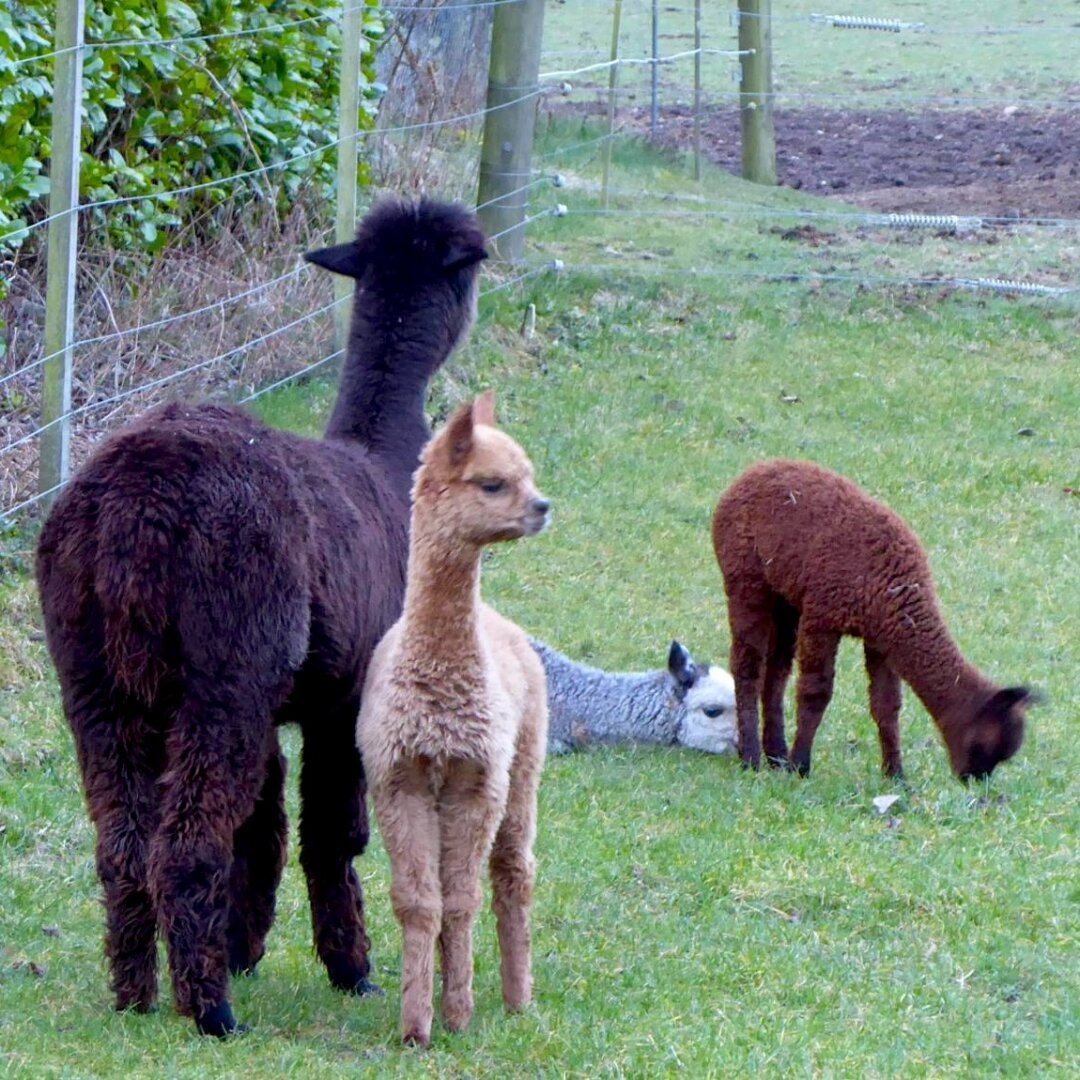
{"type": "Point", "coordinates": [352, 30]}
{"type": "Point", "coordinates": [613, 80]}
{"type": "Point", "coordinates": [517, 33]}
{"type": "Point", "coordinates": [54, 462]}
{"type": "Point", "coordinates": [755, 92]}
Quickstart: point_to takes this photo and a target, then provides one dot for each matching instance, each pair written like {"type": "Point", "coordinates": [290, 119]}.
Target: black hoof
{"type": "Point", "coordinates": [777, 761]}
{"type": "Point", "coordinates": [366, 988]}
{"type": "Point", "coordinates": [350, 979]}
{"type": "Point", "coordinates": [800, 767]}
{"type": "Point", "coordinates": [143, 1008]}
{"type": "Point", "coordinates": [219, 1022]}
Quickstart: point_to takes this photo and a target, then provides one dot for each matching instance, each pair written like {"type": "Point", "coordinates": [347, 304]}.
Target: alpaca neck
{"type": "Point", "coordinates": [930, 662]}
{"type": "Point", "coordinates": [380, 401]}
{"type": "Point", "coordinates": [442, 599]}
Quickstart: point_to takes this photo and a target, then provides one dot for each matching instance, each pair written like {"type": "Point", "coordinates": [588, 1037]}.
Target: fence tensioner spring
{"type": "Point", "coordinates": [867, 22]}
{"type": "Point", "coordinates": [952, 223]}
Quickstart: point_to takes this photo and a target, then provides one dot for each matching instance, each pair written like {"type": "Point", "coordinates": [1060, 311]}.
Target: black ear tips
{"type": "Point", "coordinates": [1015, 695]}
{"type": "Point", "coordinates": [462, 253]}
{"type": "Point", "coordinates": [341, 259]}
{"type": "Point", "coordinates": [681, 666]}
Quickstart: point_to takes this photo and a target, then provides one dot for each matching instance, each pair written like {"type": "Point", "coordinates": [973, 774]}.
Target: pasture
{"type": "Point", "coordinates": [689, 917]}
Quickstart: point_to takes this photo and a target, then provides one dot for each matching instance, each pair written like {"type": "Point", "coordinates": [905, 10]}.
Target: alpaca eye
{"type": "Point", "coordinates": [492, 487]}
{"type": "Point", "coordinates": [713, 711]}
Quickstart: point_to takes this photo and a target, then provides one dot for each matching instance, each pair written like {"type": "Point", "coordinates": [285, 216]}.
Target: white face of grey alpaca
{"type": "Point", "coordinates": [709, 723]}
{"type": "Point", "coordinates": [707, 697]}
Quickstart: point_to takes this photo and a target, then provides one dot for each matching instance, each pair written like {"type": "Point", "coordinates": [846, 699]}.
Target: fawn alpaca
{"type": "Point", "coordinates": [453, 725]}
{"type": "Point", "coordinates": [807, 558]}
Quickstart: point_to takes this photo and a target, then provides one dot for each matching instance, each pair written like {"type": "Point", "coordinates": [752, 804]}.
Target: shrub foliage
{"type": "Point", "coordinates": [176, 92]}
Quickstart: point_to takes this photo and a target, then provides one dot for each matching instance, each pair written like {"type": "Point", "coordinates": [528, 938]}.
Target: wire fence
{"type": "Point", "coordinates": [240, 321]}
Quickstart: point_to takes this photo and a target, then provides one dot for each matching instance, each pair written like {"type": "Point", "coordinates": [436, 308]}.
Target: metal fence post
{"type": "Point", "coordinates": [655, 73]}
{"type": "Point", "coordinates": [54, 462]}
{"type": "Point", "coordinates": [697, 89]}
{"type": "Point", "coordinates": [613, 79]}
{"type": "Point", "coordinates": [517, 33]}
{"type": "Point", "coordinates": [755, 91]}
{"type": "Point", "coordinates": [352, 30]}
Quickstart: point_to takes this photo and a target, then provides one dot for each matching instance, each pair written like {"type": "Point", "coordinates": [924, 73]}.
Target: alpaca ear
{"type": "Point", "coordinates": [483, 409]}
{"type": "Point", "coordinates": [681, 668]}
{"type": "Point", "coordinates": [344, 259]}
{"type": "Point", "coordinates": [458, 438]}
{"type": "Point", "coordinates": [462, 252]}
{"type": "Point", "coordinates": [1006, 699]}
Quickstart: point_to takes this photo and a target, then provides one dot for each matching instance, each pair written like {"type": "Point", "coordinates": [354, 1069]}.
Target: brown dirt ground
{"type": "Point", "coordinates": [1009, 162]}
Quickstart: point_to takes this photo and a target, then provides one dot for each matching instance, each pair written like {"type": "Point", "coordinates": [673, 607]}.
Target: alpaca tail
{"type": "Point", "coordinates": [132, 584]}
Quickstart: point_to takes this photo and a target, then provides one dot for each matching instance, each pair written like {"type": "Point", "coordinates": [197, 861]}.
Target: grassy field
{"type": "Point", "coordinates": [689, 917]}
{"type": "Point", "coordinates": [998, 49]}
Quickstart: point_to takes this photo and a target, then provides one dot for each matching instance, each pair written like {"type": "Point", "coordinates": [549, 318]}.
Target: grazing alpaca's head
{"type": "Point", "coordinates": [480, 480]}
{"type": "Point", "coordinates": [993, 736]}
{"type": "Point", "coordinates": [707, 695]}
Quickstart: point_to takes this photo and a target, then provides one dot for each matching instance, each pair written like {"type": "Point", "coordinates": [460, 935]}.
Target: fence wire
{"type": "Point", "coordinates": [561, 90]}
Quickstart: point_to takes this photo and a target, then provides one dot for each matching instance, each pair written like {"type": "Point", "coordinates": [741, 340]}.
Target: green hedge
{"type": "Point", "coordinates": [158, 117]}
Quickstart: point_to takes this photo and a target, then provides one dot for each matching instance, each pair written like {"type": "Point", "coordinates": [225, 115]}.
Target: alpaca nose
{"type": "Point", "coordinates": [541, 506]}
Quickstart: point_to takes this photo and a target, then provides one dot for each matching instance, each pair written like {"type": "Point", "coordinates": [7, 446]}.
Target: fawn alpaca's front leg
{"type": "Point", "coordinates": [513, 872]}
{"type": "Point", "coordinates": [470, 807]}
{"type": "Point", "coordinates": [408, 820]}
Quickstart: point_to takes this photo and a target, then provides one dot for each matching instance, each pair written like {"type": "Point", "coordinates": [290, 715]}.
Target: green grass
{"type": "Point", "coordinates": [661, 224]}
{"type": "Point", "coordinates": [689, 917]}
{"type": "Point", "coordinates": [999, 50]}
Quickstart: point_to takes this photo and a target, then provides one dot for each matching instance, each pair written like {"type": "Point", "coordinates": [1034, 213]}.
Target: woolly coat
{"type": "Point", "coordinates": [587, 705]}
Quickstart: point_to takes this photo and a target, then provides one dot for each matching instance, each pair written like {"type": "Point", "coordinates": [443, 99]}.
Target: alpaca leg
{"type": "Point", "coordinates": [885, 709]}
{"type": "Point", "coordinates": [470, 807]}
{"type": "Point", "coordinates": [408, 820]}
{"type": "Point", "coordinates": [259, 848]}
{"type": "Point", "coordinates": [513, 871]}
{"type": "Point", "coordinates": [120, 757]}
{"type": "Point", "coordinates": [817, 665]}
{"type": "Point", "coordinates": [216, 753]}
{"type": "Point", "coordinates": [334, 829]}
{"type": "Point", "coordinates": [750, 619]}
{"type": "Point", "coordinates": [777, 670]}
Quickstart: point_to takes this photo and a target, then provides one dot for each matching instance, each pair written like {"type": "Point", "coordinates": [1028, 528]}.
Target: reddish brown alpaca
{"type": "Point", "coordinates": [807, 558]}
{"type": "Point", "coordinates": [453, 725]}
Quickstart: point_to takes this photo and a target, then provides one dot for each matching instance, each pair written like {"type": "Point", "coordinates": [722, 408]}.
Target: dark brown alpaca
{"type": "Point", "coordinates": [204, 579]}
{"type": "Point", "coordinates": [807, 558]}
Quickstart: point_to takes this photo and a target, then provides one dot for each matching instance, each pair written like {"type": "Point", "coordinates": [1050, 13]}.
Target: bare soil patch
{"type": "Point", "coordinates": [993, 163]}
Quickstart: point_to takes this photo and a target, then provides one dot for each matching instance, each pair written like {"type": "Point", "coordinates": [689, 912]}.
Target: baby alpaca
{"type": "Point", "coordinates": [688, 704]}
{"type": "Point", "coordinates": [807, 558]}
{"type": "Point", "coordinates": [453, 725]}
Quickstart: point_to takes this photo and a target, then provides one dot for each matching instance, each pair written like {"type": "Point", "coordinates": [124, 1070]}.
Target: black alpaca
{"type": "Point", "coordinates": [205, 578]}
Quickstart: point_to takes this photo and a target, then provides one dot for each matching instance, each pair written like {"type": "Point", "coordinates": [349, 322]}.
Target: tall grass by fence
{"type": "Point", "coordinates": [677, 67]}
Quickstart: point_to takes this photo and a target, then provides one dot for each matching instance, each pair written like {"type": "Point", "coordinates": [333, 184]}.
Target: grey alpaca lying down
{"type": "Point", "coordinates": [687, 705]}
